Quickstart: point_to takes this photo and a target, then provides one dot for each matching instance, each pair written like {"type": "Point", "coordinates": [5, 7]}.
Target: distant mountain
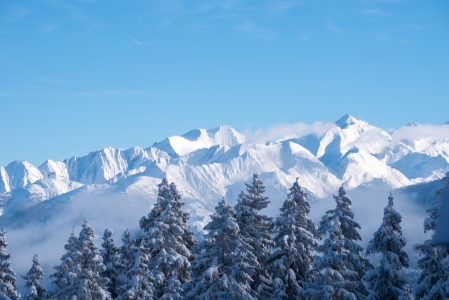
{"type": "Point", "coordinates": [115, 187]}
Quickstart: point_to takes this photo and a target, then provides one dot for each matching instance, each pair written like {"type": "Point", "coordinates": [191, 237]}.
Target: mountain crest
{"type": "Point", "coordinates": [348, 120]}
{"type": "Point", "coordinates": [196, 139]}
{"type": "Point", "coordinates": [20, 173]}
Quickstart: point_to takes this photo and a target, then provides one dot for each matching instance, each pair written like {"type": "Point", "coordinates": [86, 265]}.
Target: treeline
{"type": "Point", "coordinates": [244, 255]}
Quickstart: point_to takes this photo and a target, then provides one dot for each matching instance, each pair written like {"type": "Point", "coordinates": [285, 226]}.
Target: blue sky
{"type": "Point", "coordinates": [77, 76]}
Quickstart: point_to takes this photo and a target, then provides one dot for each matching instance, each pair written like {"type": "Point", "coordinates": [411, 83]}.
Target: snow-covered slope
{"type": "Point", "coordinates": [108, 163]}
{"type": "Point", "coordinates": [357, 167]}
{"type": "Point", "coordinates": [32, 194]}
{"type": "Point", "coordinates": [421, 160]}
{"type": "Point", "coordinates": [4, 181]}
{"type": "Point", "coordinates": [54, 170]}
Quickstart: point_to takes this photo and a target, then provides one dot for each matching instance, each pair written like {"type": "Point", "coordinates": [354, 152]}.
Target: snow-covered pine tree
{"type": "Point", "coordinates": [223, 289]}
{"type": "Point", "coordinates": [173, 291]}
{"type": "Point", "coordinates": [332, 279]}
{"type": "Point", "coordinates": [92, 284]}
{"type": "Point", "coordinates": [278, 290]}
{"type": "Point", "coordinates": [65, 272]}
{"type": "Point", "coordinates": [33, 278]}
{"type": "Point", "coordinates": [213, 263]}
{"type": "Point", "coordinates": [111, 260]}
{"type": "Point", "coordinates": [295, 241]}
{"type": "Point", "coordinates": [139, 285]}
{"type": "Point", "coordinates": [243, 271]}
{"type": "Point", "coordinates": [170, 239]}
{"type": "Point", "coordinates": [386, 280]}
{"type": "Point", "coordinates": [256, 230]}
{"type": "Point", "coordinates": [433, 282]}
{"type": "Point", "coordinates": [7, 276]}
{"type": "Point", "coordinates": [126, 254]}
{"type": "Point", "coordinates": [349, 229]}
{"type": "Point", "coordinates": [79, 274]}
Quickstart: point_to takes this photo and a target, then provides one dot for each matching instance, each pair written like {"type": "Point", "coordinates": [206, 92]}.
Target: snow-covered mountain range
{"type": "Point", "coordinates": [207, 163]}
{"type": "Point", "coordinates": [115, 187]}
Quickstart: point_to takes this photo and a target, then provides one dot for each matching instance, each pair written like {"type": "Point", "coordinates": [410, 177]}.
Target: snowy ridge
{"type": "Point", "coordinates": [196, 139]}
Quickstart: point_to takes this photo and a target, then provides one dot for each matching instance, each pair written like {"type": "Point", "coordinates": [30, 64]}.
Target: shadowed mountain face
{"type": "Point", "coordinates": [115, 187]}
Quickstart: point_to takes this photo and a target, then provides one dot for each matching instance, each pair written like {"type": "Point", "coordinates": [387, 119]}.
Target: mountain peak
{"type": "Point", "coordinates": [54, 170]}
{"type": "Point", "coordinates": [200, 138]}
{"type": "Point", "coordinates": [21, 173]}
{"type": "Point", "coordinates": [348, 120]}
{"type": "Point", "coordinates": [412, 124]}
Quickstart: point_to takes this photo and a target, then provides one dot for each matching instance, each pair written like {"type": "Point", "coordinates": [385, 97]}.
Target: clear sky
{"type": "Point", "coordinates": [77, 76]}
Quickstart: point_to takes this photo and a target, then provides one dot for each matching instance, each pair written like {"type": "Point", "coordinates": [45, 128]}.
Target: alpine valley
{"type": "Point", "coordinates": [114, 188]}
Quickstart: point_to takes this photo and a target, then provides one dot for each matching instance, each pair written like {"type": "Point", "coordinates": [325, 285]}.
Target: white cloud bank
{"type": "Point", "coordinates": [422, 132]}
{"type": "Point", "coordinates": [285, 130]}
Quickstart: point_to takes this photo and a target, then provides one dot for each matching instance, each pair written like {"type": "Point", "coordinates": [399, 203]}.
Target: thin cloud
{"type": "Point", "coordinates": [387, 39]}
{"type": "Point", "coordinates": [376, 12]}
{"type": "Point", "coordinates": [142, 93]}
{"type": "Point", "coordinates": [304, 37]}
{"type": "Point", "coordinates": [50, 80]}
{"type": "Point", "coordinates": [198, 29]}
{"type": "Point", "coordinates": [331, 26]}
{"type": "Point", "coordinates": [417, 27]}
{"type": "Point", "coordinates": [14, 14]}
{"type": "Point", "coordinates": [48, 29]}
{"type": "Point", "coordinates": [279, 7]}
{"type": "Point", "coordinates": [84, 94]}
{"type": "Point", "coordinates": [258, 33]}
{"type": "Point", "coordinates": [134, 40]}
{"type": "Point", "coordinates": [284, 130]}
{"type": "Point", "coordinates": [382, 38]}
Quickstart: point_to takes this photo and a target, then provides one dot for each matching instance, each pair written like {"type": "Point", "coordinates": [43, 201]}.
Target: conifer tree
{"type": "Point", "coordinates": [126, 254]}
{"type": "Point", "coordinates": [127, 258]}
{"type": "Point", "coordinates": [213, 263]}
{"type": "Point", "coordinates": [111, 260]}
{"type": "Point", "coordinates": [79, 274]}
{"type": "Point", "coordinates": [279, 289]}
{"type": "Point", "coordinates": [170, 239]}
{"type": "Point", "coordinates": [33, 278]}
{"type": "Point", "coordinates": [64, 273]}
{"type": "Point", "coordinates": [332, 279]}
{"type": "Point", "coordinates": [256, 229]}
{"type": "Point", "coordinates": [348, 228]}
{"type": "Point", "coordinates": [7, 276]}
{"type": "Point", "coordinates": [243, 271]}
{"type": "Point", "coordinates": [386, 280]}
{"type": "Point", "coordinates": [139, 285]}
{"type": "Point", "coordinates": [173, 291]}
{"type": "Point", "coordinates": [295, 241]}
{"type": "Point", "coordinates": [433, 282]}
{"type": "Point", "coordinates": [222, 290]}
